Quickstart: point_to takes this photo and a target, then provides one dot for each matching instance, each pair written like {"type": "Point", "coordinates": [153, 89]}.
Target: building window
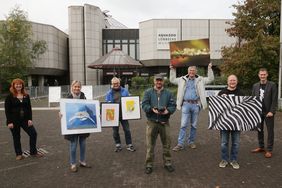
{"type": "Point", "coordinates": [137, 51]}
{"type": "Point", "coordinates": [132, 50]}
{"type": "Point", "coordinates": [125, 48]}
{"type": "Point", "coordinates": [109, 47]}
{"type": "Point", "coordinates": [117, 46]}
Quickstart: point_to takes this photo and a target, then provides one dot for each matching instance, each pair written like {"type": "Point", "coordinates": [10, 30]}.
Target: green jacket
{"type": "Point", "coordinates": [150, 100]}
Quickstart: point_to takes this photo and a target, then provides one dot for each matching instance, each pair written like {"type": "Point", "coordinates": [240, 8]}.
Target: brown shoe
{"type": "Point", "coordinates": [192, 146]}
{"type": "Point", "coordinates": [37, 155]}
{"type": "Point", "coordinates": [258, 150]}
{"type": "Point", "coordinates": [268, 154]}
{"type": "Point", "coordinates": [19, 157]}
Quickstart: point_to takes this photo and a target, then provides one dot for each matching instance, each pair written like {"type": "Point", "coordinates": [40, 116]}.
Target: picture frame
{"type": "Point", "coordinates": [54, 94]}
{"type": "Point", "coordinates": [187, 53]}
{"type": "Point", "coordinates": [109, 114]}
{"type": "Point", "coordinates": [80, 116]}
{"type": "Point", "coordinates": [130, 107]}
{"type": "Point", "coordinates": [88, 91]}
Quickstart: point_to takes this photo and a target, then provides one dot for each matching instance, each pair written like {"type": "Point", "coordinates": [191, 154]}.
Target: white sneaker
{"type": "Point", "coordinates": [235, 165]}
{"type": "Point", "coordinates": [223, 164]}
{"type": "Point", "coordinates": [73, 168]}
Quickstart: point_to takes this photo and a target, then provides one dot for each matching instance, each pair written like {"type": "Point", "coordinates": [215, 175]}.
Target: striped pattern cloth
{"type": "Point", "coordinates": [237, 113]}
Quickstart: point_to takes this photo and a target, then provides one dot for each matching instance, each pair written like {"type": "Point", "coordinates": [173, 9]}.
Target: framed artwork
{"type": "Point", "coordinates": [54, 94]}
{"type": "Point", "coordinates": [80, 116]}
{"type": "Point", "coordinates": [88, 91]}
{"type": "Point", "coordinates": [190, 52]}
{"type": "Point", "coordinates": [130, 107]}
{"type": "Point", "coordinates": [110, 114]}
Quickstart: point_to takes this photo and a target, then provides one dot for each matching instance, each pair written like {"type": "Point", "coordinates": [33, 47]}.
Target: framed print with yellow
{"type": "Point", "coordinates": [130, 107]}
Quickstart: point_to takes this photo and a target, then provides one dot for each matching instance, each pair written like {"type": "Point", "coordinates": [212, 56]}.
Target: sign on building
{"type": "Point", "coordinates": [164, 36]}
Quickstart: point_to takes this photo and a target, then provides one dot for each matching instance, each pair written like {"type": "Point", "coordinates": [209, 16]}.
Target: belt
{"type": "Point", "coordinates": [191, 101]}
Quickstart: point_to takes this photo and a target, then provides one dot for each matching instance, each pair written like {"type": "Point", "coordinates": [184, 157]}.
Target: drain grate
{"type": "Point", "coordinates": [39, 150]}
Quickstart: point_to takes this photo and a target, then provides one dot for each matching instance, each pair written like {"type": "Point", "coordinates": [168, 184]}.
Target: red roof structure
{"type": "Point", "coordinates": [115, 59]}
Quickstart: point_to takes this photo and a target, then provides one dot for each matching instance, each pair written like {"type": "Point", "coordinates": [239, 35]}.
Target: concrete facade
{"type": "Point", "coordinates": [54, 62]}
{"type": "Point", "coordinates": [185, 29]}
{"type": "Point", "coordinates": [85, 42]}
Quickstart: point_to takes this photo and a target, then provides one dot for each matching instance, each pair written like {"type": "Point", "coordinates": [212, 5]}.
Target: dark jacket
{"type": "Point", "coordinates": [270, 99]}
{"type": "Point", "coordinates": [13, 107]}
{"type": "Point", "coordinates": [150, 101]}
{"type": "Point", "coordinates": [72, 136]}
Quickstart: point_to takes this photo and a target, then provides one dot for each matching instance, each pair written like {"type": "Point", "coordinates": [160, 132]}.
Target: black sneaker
{"type": "Point", "coordinates": [130, 148]}
{"type": "Point", "coordinates": [118, 149]}
{"type": "Point", "coordinates": [169, 168]}
{"type": "Point", "coordinates": [148, 170]}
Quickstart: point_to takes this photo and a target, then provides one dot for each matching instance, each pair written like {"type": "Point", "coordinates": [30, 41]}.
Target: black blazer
{"type": "Point", "coordinates": [270, 99]}
{"type": "Point", "coordinates": [71, 136]}
{"type": "Point", "coordinates": [13, 107]}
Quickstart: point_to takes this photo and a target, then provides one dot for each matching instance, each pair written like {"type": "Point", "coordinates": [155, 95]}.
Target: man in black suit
{"type": "Point", "coordinates": [267, 91]}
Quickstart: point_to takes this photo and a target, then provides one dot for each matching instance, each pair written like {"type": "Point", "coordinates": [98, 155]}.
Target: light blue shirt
{"type": "Point", "coordinates": [190, 90]}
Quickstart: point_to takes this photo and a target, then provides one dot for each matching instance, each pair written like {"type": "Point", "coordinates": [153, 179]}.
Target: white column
{"type": "Point", "coordinates": [29, 81]}
{"type": "Point", "coordinates": [41, 81]}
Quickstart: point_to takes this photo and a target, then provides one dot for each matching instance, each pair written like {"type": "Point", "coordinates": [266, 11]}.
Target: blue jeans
{"type": "Point", "coordinates": [73, 146]}
{"type": "Point", "coordinates": [235, 139]}
{"type": "Point", "coordinates": [126, 130]}
{"type": "Point", "coordinates": [190, 113]}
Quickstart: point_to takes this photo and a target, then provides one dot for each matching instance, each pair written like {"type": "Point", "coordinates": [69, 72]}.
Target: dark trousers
{"type": "Point", "coordinates": [16, 133]}
{"type": "Point", "coordinates": [126, 130]}
{"type": "Point", "coordinates": [269, 122]}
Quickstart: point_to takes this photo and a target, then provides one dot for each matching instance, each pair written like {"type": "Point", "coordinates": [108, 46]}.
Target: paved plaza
{"type": "Point", "coordinates": [194, 167]}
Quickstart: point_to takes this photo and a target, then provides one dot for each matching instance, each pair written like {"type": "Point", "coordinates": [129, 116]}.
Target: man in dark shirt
{"type": "Point", "coordinates": [267, 91]}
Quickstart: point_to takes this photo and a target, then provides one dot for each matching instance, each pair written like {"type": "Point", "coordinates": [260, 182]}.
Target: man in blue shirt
{"type": "Point", "coordinates": [191, 97]}
{"type": "Point", "coordinates": [114, 96]}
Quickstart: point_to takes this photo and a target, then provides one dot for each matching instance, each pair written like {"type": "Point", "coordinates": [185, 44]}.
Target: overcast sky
{"type": "Point", "coordinates": [128, 12]}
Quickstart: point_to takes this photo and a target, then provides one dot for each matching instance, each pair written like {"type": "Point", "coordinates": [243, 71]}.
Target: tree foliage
{"type": "Point", "coordinates": [257, 28]}
{"type": "Point", "coordinates": [17, 49]}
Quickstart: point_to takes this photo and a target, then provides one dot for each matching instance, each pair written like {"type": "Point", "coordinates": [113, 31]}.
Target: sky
{"type": "Point", "coordinates": [128, 12]}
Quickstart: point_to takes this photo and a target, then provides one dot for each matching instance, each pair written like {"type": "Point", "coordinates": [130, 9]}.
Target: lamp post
{"type": "Point", "coordinates": [280, 62]}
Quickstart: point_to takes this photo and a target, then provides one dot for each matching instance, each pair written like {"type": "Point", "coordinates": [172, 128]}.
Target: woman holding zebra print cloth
{"type": "Point", "coordinates": [231, 90]}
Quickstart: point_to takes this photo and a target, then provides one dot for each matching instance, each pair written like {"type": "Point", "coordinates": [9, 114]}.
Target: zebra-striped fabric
{"type": "Point", "coordinates": [240, 113]}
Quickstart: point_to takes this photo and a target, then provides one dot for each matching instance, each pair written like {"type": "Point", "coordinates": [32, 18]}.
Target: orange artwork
{"type": "Point", "coordinates": [110, 114]}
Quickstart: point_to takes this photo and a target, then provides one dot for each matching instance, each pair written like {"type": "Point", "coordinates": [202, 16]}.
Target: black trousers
{"type": "Point", "coordinates": [269, 122]}
{"type": "Point", "coordinates": [16, 133]}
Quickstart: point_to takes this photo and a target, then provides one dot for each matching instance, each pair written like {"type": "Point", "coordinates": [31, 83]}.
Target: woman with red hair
{"type": "Point", "coordinates": [19, 115]}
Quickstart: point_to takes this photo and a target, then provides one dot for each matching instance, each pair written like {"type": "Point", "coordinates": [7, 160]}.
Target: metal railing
{"type": "Point", "coordinates": [37, 92]}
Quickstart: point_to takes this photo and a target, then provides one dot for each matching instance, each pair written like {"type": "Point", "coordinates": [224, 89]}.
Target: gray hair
{"type": "Point", "coordinates": [75, 82]}
{"type": "Point", "coordinates": [192, 67]}
{"type": "Point", "coordinates": [115, 79]}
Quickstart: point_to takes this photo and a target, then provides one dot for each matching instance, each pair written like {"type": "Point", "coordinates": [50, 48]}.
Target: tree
{"type": "Point", "coordinates": [257, 27]}
{"type": "Point", "coordinates": [17, 49]}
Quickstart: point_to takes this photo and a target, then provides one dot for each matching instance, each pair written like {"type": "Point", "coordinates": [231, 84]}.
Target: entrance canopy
{"type": "Point", "coordinates": [115, 59]}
